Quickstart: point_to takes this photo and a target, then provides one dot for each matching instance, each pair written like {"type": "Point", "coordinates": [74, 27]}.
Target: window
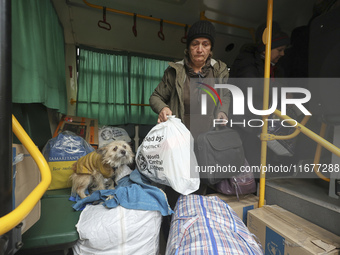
{"type": "Point", "coordinates": [115, 87]}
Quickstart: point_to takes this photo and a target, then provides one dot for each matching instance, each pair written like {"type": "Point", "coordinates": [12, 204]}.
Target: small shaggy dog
{"type": "Point", "coordinates": [107, 162]}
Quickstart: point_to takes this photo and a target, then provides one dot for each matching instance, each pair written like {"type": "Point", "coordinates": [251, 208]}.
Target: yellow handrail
{"type": "Point", "coordinates": [202, 16]}
{"type": "Point", "coordinates": [270, 137]}
{"type": "Point", "coordinates": [318, 154]}
{"type": "Point", "coordinates": [132, 14]}
{"type": "Point", "coordinates": [300, 128]}
{"type": "Point", "coordinates": [268, 43]}
{"type": "Point", "coordinates": [13, 218]}
{"type": "Point", "coordinates": [324, 143]}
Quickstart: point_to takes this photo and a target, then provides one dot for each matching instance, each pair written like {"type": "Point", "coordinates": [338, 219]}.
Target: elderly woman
{"type": "Point", "coordinates": [174, 95]}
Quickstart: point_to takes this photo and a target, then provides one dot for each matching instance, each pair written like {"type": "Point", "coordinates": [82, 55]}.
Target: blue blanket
{"type": "Point", "coordinates": [132, 192]}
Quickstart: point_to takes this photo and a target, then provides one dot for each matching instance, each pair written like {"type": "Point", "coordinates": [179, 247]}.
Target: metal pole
{"type": "Point", "coordinates": [266, 100]}
{"type": "Point", "coordinates": [6, 203]}
{"type": "Point", "coordinates": [5, 108]}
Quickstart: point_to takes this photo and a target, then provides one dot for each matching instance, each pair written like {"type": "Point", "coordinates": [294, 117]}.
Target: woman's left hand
{"type": "Point", "coordinates": [223, 116]}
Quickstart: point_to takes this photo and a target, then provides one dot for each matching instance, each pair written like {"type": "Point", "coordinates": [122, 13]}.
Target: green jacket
{"type": "Point", "coordinates": [169, 92]}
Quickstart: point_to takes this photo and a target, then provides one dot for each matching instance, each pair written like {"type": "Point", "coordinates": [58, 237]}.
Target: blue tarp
{"type": "Point", "coordinates": [132, 192]}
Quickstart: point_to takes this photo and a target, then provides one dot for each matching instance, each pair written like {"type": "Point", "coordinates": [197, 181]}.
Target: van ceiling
{"type": "Point", "coordinates": [80, 21]}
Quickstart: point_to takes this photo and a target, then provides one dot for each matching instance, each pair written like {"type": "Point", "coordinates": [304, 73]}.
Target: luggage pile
{"type": "Point", "coordinates": [199, 225]}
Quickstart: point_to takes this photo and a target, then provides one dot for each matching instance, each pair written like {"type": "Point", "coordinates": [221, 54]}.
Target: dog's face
{"type": "Point", "coordinates": [117, 153]}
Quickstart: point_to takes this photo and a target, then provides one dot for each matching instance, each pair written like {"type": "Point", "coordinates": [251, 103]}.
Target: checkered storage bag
{"type": "Point", "coordinates": [207, 225]}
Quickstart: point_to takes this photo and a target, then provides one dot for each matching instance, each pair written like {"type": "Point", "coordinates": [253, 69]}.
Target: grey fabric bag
{"type": "Point", "coordinates": [220, 150]}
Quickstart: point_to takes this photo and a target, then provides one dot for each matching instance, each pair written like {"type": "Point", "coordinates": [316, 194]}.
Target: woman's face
{"type": "Point", "coordinates": [277, 53]}
{"type": "Point", "coordinates": [199, 51]}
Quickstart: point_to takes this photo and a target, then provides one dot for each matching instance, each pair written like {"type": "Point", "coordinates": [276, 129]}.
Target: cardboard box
{"type": "Point", "coordinates": [282, 232]}
{"type": "Point", "coordinates": [242, 205]}
{"type": "Point", "coordinates": [26, 176]}
{"type": "Point", "coordinates": [84, 127]}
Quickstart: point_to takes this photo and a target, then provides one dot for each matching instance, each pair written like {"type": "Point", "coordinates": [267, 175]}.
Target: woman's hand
{"type": "Point", "coordinates": [222, 116]}
{"type": "Point", "coordinates": [163, 115]}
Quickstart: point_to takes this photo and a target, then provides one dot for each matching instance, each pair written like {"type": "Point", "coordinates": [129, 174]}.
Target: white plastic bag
{"type": "Point", "coordinates": [166, 156]}
{"type": "Point", "coordinates": [117, 231]}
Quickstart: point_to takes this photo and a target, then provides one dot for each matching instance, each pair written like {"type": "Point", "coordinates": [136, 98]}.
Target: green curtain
{"type": "Point", "coordinates": [38, 58]}
{"type": "Point", "coordinates": [103, 87]}
{"type": "Point", "coordinates": [110, 84]}
{"type": "Point", "coordinates": [145, 75]}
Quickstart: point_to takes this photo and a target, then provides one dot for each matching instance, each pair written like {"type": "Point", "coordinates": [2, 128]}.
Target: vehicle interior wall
{"type": "Point", "coordinates": [233, 21]}
{"type": "Point", "coordinates": [80, 28]}
{"type": "Point", "coordinates": [80, 23]}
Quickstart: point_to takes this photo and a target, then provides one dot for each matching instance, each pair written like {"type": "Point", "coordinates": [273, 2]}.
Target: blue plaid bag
{"type": "Point", "coordinates": [207, 225]}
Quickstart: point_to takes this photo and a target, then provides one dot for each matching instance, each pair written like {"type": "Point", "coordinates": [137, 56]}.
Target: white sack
{"type": "Point", "coordinates": [166, 156]}
{"type": "Point", "coordinates": [108, 134]}
{"type": "Point", "coordinates": [117, 231]}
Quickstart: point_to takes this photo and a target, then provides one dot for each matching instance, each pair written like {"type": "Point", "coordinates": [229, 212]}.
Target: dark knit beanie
{"type": "Point", "coordinates": [279, 38]}
{"type": "Point", "coordinates": [202, 28]}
